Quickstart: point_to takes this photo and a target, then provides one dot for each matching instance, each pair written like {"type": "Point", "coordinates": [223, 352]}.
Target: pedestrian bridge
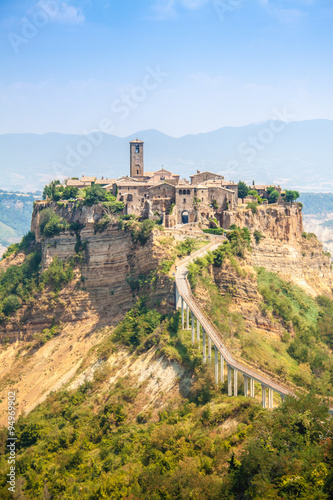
{"type": "Point", "coordinates": [209, 339]}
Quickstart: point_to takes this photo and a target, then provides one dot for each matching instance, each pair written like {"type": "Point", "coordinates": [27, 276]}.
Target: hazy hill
{"type": "Point", "coordinates": [301, 155]}
{"type": "Point", "coordinates": [15, 217]}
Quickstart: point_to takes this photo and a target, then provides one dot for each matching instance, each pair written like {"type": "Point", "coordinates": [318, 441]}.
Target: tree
{"type": "Point", "coordinates": [49, 191]}
{"type": "Point", "coordinates": [95, 194]}
{"type": "Point", "coordinates": [273, 196]}
{"type": "Point", "coordinates": [291, 196]}
{"type": "Point", "coordinates": [70, 192]}
{"type": "Point", "coordinates": [243, 190]}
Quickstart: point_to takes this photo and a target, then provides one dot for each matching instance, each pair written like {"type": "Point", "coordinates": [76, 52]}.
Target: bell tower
{"type": "Point", "coordinates": [136, 158]}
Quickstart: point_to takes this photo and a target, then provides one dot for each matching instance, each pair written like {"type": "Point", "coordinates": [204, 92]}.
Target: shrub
{"type": "Point", "coordinates": [258, 236]}
{"type": "Point", "coordinates": [253, 206]}
{"type": "Point", "coordinates": [50, 224]}
{"type": "Point", "coordinates": [101, 224]}
{"type": "Point", "coordinates": [217, 230]}
{"type": "Point", "coordinates": [140, 231]}
{"type": "Point", "coordinates": [13, 248]}
{"type": "Point", "coordinates": [58, 274]}
{"type": "Point", "coordinates": [11, 304]}
{"type": "Point", "coordinates": [185, 247]}
{"type": "Point", "coordinates": [95, 194]}
{"type": "Point", "coordinates": [114, 206]}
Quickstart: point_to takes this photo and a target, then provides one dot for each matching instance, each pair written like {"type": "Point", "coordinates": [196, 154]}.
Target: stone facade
{"type": "Point", "coordinates": [200, 177]}
{"type": "Point", "coordinates": [163, 194]}
{"type": "Point", "coordinates": [136, 158]}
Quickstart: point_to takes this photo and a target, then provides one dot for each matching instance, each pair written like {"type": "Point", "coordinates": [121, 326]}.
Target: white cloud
{"type": "Point", "coordinates": [62, 12]}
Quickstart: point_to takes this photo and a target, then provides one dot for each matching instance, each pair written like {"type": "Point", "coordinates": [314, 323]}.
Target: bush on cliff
{"type": "Point", "coordinates": [50, 224]}
{"type": "Point", "coordinates": [18, 284]}
{"type": "Point", "coordinates": [140, 231]}
{"type": "Point", "coordinates": [26, 245]}
{"type": "Point", "coordinates": [95, 194]}
{"type": "Point", "coordinates": [58, 274]}
{"type": "Point", "coordinates": [55, 191]}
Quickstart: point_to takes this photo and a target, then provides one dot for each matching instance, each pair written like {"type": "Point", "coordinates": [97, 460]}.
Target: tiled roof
{"type": "Point", "coordinates": [136, 141]}
{"type": "Point", "coordinates": [88, 179]}
{"type": "Point", "coordinates": [104, 181]}
{"type": "Point", "coordinates": [75, 183]}
{"type": "Point", "coordinates": [262, 186]}
{"type": "Point", "coordinates": [162, 184]}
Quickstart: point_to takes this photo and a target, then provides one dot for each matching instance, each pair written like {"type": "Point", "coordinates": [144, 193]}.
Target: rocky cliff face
{"type": "Point", "coordinates": [108, 281]}
{"type": "Point", "coordinates": [285, 248]}
{"type": "Point", "coordinates": [280, 222]}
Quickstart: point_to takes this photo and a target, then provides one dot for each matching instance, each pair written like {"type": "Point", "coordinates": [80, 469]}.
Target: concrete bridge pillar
{"type": "Point", "coordinates": [235, 382]}
{"type": "Point", "coordinates": [198, 331]}
{"type": "Point", "coordinates": [270, 398]}
{"type": "Point", "coordinates": [182, 306]}
{"type": "Point", "coordinates": [222, 369]}
{"type": "Point", "coordinates": [192, 326]}
{"type": "Point", "coordinates": [216, 366]}
{"type": "Point", "coordinates": [187, 317]}
{"type": "Point", "coordinates": [263, 395]}
{"type": "Point", "coordinates": [204, 346]}
{"type": "Point", "coordinates": [251, 387]}
{"type": "Point", "coordinates": [246, 385]}
{"type": "Point", "coordinates": [209, 349]}
{"type": "Point", "coordinates": [229, 381]}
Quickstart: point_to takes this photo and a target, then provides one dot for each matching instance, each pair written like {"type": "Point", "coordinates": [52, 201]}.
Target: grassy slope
{"type": "Point", "coordinates": [304, 357]}
{"type": "Point", "coordinates": [102, 441]}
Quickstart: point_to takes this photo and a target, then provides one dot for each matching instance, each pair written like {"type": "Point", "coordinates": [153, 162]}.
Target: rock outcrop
{"type": "Point", "coordinates": [112, 272]}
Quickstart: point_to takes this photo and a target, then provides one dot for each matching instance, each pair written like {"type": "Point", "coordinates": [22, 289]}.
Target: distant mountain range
{"type": "Point", "coordinates": [295, 155]}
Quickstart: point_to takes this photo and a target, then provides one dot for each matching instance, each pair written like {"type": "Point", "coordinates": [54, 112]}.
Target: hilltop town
{"type": "Point", "coordinates": [207, 197]}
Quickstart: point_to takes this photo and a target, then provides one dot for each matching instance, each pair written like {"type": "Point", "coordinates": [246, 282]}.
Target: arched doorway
{"type": "Point", "coordinates": [185, 217]}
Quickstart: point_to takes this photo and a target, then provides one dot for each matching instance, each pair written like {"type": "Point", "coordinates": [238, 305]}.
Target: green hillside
{"type": "Point", "coordinates": [317, 203]}
{"type": "Point", "coordinates": [15, 216]}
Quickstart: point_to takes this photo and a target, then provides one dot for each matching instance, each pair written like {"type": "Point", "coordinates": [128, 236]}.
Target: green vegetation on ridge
{"type": "Point", "coordinates": [101, 441]}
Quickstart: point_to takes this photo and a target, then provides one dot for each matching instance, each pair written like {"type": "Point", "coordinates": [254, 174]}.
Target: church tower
{"type": "Point", "coordinates": [136, 159]}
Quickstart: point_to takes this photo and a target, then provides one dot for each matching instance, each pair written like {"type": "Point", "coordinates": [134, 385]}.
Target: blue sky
{"type": "Point", "coordinates": [179, 66]}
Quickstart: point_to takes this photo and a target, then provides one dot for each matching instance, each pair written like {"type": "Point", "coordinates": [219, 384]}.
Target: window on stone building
{"type": "Point", "coordinates": [180, 191]}
{"type": "Point", "coordinates": [188, 192]}
{"type": "Point", "coordinates": [137, 148]}
{"type": "Point", "coordinates": [184, 201]}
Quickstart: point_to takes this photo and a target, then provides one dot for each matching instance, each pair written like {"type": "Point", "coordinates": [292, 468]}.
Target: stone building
{"type": "Point", "coordinates": [200, 177]}
{"type": "Point", "coordinates": [136, 158]}
{"type": "Point", "coordinates": [162, 194]}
